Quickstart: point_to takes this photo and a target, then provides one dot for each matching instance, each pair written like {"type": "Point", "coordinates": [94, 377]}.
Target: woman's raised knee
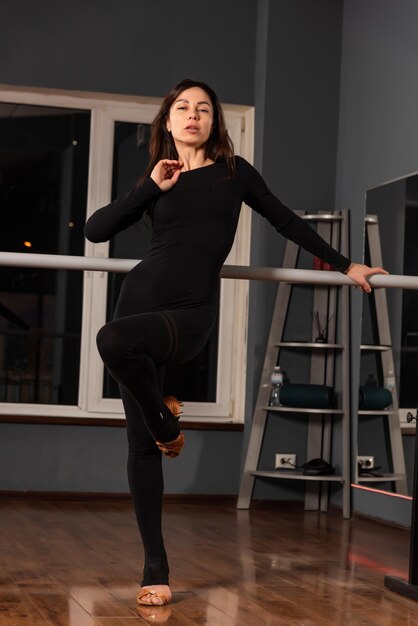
{"type": "Point", "coordinates": [108, 341]}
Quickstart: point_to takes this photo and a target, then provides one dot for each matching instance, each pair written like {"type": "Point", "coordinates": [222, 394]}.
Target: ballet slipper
{"type": "Point", "coordinates": [171, 449]}
{"type": "Point", "coordinates": [146, 591]}
{"type": "Point", "coordinates": [174, 405]}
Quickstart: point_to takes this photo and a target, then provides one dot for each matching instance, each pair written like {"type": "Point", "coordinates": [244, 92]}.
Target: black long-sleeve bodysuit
{"type": "Point", "coordinates": [167, 307]}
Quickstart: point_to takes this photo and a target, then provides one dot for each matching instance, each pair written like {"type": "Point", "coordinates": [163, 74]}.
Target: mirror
{"type": "Point", "coordinates": [389, 350]}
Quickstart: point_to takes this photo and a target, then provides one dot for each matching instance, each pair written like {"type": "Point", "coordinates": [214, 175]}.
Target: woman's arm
{"type": "Point", "coordinates": [286, 222]}
{"type": "Point", "coordinates": [259, 197]}
{"type": "Point", "coordinates": [121, 213]}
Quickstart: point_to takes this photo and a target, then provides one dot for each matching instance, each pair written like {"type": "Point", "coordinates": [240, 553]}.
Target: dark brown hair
{"type": "Point", "coordinates": [218, 147]}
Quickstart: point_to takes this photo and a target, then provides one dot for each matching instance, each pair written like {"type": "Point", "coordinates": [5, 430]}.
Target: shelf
{"type": "Point", "coordinates": [296, 475]}
{"type": "Point", "coordinates": [381, 412]}
{"type": "Point", "coordinates": [292, 409]}
{"type": "Point", "coordinates": [309, 344]}
{"type": "Point", "coordinates": [329, 302]}
{"type": "Point", "coordinates": [381, 479]}
{"type": "Point", "coordinates": [374, 348]}
{"type": "Point", "coordinates": [322, 217]}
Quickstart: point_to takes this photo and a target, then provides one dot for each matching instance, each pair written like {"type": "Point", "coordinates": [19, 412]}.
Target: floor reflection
{"type": "Point", "coordinates": [155, 615]}
{"type": "Point", "coordinates": [227, 567]}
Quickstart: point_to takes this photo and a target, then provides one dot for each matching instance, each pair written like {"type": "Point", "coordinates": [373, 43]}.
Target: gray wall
{"type": "Point", "coordinates": [281, 56]}
{"type": "Point", "coordinates": [40, 457]}
{"type": "Point", "coordinates": [298, 63]}
{"type": "Point", "coordinates": [378, 126]}
{"type": "Point", "coordinates": [129, 47]}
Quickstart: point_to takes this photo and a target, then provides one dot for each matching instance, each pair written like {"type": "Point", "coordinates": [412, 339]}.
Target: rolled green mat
{"type": "Point", "coordinates": [374, 398]}
{"type": "Point", "coordinates": [306, 396]}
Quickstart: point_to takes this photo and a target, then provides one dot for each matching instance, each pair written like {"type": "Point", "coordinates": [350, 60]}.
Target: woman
{"type": "Point", "coordinates": [192, 189]}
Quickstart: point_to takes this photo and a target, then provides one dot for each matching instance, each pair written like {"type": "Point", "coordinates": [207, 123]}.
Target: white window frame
{"type": "Point", "coordinates": [106, 109]}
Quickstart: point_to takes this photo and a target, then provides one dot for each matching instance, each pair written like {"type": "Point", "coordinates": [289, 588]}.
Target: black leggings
{"type": "Point", "coordinates": [135, 349]}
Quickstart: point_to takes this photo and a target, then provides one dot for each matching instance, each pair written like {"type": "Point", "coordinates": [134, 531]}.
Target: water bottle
{"type": "Point", "coordinates": [390, 382]}
{"type": "Point", "coordinates": [371, 381]}
{"type": "Point", "coordinates": [276, 385]}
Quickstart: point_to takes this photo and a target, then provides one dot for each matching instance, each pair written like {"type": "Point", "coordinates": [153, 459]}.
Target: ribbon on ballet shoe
{"type": "Point", "coordinates": [171, 449]}
{"type": "Point", "coordinates": [173, 405]}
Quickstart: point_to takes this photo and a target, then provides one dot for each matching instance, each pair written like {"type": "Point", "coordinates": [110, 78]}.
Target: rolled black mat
{"type": "Point", "coordinates": [306, 396]}
{"type": "Point", "coordinates": [374, 398]}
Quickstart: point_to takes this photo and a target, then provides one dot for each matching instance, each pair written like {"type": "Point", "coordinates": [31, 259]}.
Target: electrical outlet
{"type": "Point", "coordinates": [365, 461]}
{"type": "Point", "coordinates": [285, 461]}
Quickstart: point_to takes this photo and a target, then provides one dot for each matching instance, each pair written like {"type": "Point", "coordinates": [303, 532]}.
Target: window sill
{"type": "Point", "coordinates": [118, 422]}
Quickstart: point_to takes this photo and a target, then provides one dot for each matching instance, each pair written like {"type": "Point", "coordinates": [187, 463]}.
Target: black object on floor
{"type": "Point", "coordinates": [317, 467]}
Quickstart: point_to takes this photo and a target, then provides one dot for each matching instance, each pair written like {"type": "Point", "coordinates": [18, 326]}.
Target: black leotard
{"type": "Point", "coordinates": [194, 227]}
{"type": "Point", "coordinates": [167, 307]}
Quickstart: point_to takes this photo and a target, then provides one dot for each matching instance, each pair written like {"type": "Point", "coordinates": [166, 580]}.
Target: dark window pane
{"type": "Point", "coordinates": [43, 187]}
{"type": "Point", "coordinates": [193, 381]}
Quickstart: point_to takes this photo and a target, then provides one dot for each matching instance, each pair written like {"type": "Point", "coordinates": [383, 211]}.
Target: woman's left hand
{"type": "Point", "coordinates": [358, 272]}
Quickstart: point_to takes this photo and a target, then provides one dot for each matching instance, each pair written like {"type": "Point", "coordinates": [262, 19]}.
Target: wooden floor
{"type": "Point", "coordinates": [71, 563]}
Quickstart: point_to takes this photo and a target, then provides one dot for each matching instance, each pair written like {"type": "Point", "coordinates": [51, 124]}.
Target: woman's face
{"type": "Point", "coordinates": [190, 117]}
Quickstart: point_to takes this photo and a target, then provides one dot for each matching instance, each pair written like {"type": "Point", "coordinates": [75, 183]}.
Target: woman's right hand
{"type": "Point", "coordinates": [166, 173]}
{"type": "Point", "coordinates": [359, 272]}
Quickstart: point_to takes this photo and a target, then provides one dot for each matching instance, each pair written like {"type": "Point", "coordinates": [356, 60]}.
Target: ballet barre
{"type": "Point", "coordinates": [241, 272]}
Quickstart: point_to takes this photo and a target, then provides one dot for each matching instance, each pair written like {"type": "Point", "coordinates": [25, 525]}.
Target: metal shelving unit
{"type": "Point", "coordinates": [333, 227]}
{"type": "Point", "coordinates": [296, 475]}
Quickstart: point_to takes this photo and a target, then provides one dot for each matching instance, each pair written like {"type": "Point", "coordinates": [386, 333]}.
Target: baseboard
{"type": "Point", "coordinates": [61, 495]}
{"type": "Point", "coordinates": [380, 520]}
{"type": "Point", "coordinates": [169, 498]}
{"type": "Point", "coordinates": [224, 500]}
{"type": "Point", "coordinates": [89, 495]}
